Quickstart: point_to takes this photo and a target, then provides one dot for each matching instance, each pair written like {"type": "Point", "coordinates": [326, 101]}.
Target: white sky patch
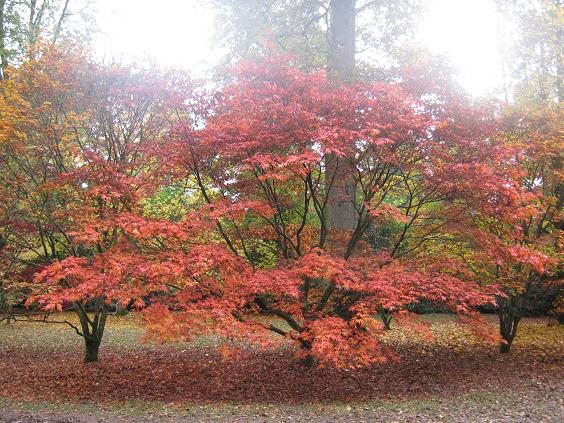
{"type": "Point", "coordinates": [173, 33]}
{"type": "Point", "coordinates": [177, 33]}
{"type": "Point", "coordinates": [468, 32]}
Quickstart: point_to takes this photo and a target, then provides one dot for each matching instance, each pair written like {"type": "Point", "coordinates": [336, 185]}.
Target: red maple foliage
{"type": "Point", "coordinates": [255, 237]}
{"type": "Point", "coordinates": [512, 235]}
{"type": "Point", "coordinates": [258, 164]}
{"type": "Point", "coordinates": [77, 150]}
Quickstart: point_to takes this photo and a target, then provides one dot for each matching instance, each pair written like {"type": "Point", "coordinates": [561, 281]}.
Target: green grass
{"type": "Point", "coordinates": [127, 332]}
{"type": "Point", "coordinates": [121, 332]}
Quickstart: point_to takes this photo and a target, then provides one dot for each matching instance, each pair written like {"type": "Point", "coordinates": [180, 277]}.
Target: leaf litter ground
{"type": "Point", "coordinates": [41, 364]}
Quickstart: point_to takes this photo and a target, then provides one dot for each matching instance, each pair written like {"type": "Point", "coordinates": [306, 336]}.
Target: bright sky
{"type": "Point", "coordinates": [177, 33]}
{"type": "Point", "coordinates": [174, 32]}
{"type": "Point", "coordinates": [467, 30]}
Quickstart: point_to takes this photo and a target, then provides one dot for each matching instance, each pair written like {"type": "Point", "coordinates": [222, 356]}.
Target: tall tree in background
{"type": "Point", "coordinates": [23, 23]}
{"type": "Point", "coordinates": [249, 29]}
{"type": "Point", "coordinates": [535, 58]}
{"type": "Point", "coordinates": [340, 179]}
{"type": "Point", "coordinates": [537, 65]}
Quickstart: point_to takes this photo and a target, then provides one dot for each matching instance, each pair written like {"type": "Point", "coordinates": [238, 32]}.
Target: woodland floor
{"type": "Point", "coordinates": [451, 378]}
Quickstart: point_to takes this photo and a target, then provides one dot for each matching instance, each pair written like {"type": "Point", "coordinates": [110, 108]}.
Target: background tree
{"type": "Point", "coordinates": [534, 59]}
{"type": "Point", "coordinates": [250, 29]}
{"type": "Point", "coordinates": [24, 23]}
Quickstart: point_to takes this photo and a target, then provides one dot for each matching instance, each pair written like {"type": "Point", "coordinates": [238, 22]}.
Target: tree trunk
{"type": "Point", "coordinates": [309, 361]}
{"type": "Point", "coordinates": [92, 328]}
{"type": "Point", "coordinates": [342, 39]}
{"type": "Point", "coordinates": [509, 312]}
{"type": "Point", "coordinates": [92, 347]}
{"type": "Point", "coordinates": [3, 53]}
{"type": "Point", "coordinates": [340, 173]}
{"type": "Point", "coordinates": [386, 318]}
{"type": "Point", "coordinates": [59, 26]}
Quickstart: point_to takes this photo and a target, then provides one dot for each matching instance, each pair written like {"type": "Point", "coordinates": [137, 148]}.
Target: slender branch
{"type": "Point", "coordinates": [45, 319]}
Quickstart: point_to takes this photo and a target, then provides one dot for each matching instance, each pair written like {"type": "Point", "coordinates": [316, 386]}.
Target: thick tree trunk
{"type": "Point", "coordinates": [339, 172]}
{"type": "Point", "coordinates": [509, 313]}
{"type": "Point", "coordinates": [309, 361]}
{"type": "Point", "coordinates": [341, 213]}
{"type": "Point", "coordinates": [91, 351]}
{"type": "Point", "coordinates": [342, 39]}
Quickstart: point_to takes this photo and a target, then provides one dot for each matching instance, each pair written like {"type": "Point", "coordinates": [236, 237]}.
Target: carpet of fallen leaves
{"type": "Point", "coordinates": [43, 363]}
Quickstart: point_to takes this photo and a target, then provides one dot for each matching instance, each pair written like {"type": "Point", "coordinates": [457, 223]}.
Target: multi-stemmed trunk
{"type": "Point", "coordinates": [92, 328]}
{"type": "Point", "coordinates": [510, 310]}
{"type": "Point", "coordinates": [309, 360]}
{"type": "Point", "coordinates": [92, 347]}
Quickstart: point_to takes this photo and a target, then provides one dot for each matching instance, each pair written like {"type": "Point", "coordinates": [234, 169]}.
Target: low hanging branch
{"type": "Point", "coordinates": [45, 319]}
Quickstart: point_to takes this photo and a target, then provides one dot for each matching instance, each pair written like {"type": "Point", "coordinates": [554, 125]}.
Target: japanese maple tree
{"type": "Point", "coordinates": [515, 238]}
{"type": "Point", "coordinates": [256, 159]}
{"type": "Point", "coordinates": [77, 155]}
